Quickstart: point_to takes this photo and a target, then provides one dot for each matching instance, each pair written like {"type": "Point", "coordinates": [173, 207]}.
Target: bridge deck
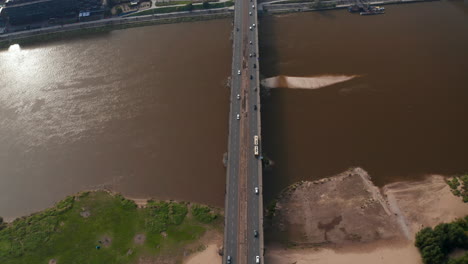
{"type": "Point", "coordinates": [244, 207]}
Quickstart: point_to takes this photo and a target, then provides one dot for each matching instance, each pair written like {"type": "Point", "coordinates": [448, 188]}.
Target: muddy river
{"type": "Point", "coordinates": [404, 116]}
{"type": "Point", "coordinates": [144, 111]}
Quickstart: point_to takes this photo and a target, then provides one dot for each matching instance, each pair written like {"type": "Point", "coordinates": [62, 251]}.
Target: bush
{"type": "Point", "coordinates": [203, 214]}
{"type": "Point", "coordinates": [435, 244]}
{"type": "Point", "coordinates": [119, 10]}
{"type": "Point", "coordinates": [461, 260]}
{"type": "Point", "coordinates": [178, 213]}
{"type": "Point", "coordinates": [162, 214]}
{"type": "Point", "coordinates": [459, 186]}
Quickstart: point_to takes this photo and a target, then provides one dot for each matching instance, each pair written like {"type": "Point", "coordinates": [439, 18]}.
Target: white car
{"type": "Point", "coordinates": [253, 25]}
{"type": "Point", "coordinates": [238, 96]}
{"type": "Point", "coordinates": [253, 6]}
{"type": "Point", "coordinates": [250, 28]}
{"type": "Point", "coordinates": [257, 259]}
{"type": "Point", "coordinates": [238, 117]}
{"type": "Point", "coordinates": [250, 42]}
{"type": "Point", "coordinates": [238, 72]}
{"type": "Point", "coordinates": [250, 13]}
{"type": "Point", "coordinates": [256, 190]}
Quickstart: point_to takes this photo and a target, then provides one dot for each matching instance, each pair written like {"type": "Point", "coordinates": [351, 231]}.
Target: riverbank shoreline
{"type": "Point", "coordinates": [346, 217]}
{"type": "Point", "coordinates": [104, 26]}
{"type": "Point", "coordinates": [103, 226]}
{"type": "Point", "coordinates": [140, 202]}
{"type": "Point", "coordinates": [277, 8]}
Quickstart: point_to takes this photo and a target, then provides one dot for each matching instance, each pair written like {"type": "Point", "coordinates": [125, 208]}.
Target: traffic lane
{"type": "Point", "coordinates": [254, 201]}
{"type": "Point", "coordinates": [232, 213]}
{"type": "Point", "coordinates": [232, 193]}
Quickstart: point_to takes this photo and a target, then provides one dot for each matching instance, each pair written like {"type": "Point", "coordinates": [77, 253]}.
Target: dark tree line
{"type": "Point", "coordinates": [435, 244]}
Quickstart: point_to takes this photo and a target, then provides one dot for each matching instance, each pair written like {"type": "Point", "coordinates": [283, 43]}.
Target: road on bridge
{"type": "Point", "coordinates": [243, 240]}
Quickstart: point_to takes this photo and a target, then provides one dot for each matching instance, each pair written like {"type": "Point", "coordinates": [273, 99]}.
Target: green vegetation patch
{"type": "Point", "coordinates": [98, 227]}
{"type": "Point", "coordinates": [459, 186]}
{"type": "Point", "coordinates": [435, 244]}
{"type": "Point", "coordinates": [204, 214]}
{"type": "Point", "coordinates": [173, 3]}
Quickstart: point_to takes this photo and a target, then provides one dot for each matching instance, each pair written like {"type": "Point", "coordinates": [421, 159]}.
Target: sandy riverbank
{"type": "Point", "coordinates": [212, 243]}
{"type": "Point", "coordinates": [346, 219]}
{"type": "Point", "coordinates": [314, 82]}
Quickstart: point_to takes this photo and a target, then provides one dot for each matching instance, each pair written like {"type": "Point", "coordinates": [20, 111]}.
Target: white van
{"type": "Point", "coordinates": [256, 140]}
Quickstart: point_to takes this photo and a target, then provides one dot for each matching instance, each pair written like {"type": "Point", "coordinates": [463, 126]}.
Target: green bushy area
{"type": "Point", "coordinates": [204, 214]}
{"type": "Point", "coordinates": [459, 186]}
{"type": "Point", "coordinates": [435, 244]}
{"type": "Point", "coordinates": [74, 230]}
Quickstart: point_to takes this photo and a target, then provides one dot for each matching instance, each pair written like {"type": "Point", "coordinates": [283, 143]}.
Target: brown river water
{"type": "Point", "coordinates": [144, 111]}
{"type": "Point", "coordinates": [405, 116]}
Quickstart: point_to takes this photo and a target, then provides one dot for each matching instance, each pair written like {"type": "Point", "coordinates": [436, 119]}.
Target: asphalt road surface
{"type": "Point", "coordinates": [243, 205]}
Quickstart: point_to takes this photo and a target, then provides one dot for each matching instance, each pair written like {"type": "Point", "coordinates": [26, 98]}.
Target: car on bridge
{"type": "Point", "coordinates": [238, 72]}
{"type": "Point", "coordinates": [256, 190]}
{"type": "Point", "coordinates": [257, 259]}
{"type": "Point", "coordinates": [228, 259]}
{"type": "Point", "coordinates": [238, 117]}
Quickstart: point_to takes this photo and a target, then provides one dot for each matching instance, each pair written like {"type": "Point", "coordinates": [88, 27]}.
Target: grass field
{"type": "Point", "coordinates": [97, 227]}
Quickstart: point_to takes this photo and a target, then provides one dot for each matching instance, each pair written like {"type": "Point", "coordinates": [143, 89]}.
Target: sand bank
{"type": "Point", "coordinates": [212, 243]}
{"type": "Point", "coordinates": [346, 219]}
{"type": "Point", "coordinates": [316, 82]}
{"type": "Point", "coordinates": [401, 253]}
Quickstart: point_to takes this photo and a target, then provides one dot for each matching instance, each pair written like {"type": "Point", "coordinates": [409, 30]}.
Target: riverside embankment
{"type": "Point", "coordinates": [275, 7]}
{"type": "Point", "coordinates": [76, 29]}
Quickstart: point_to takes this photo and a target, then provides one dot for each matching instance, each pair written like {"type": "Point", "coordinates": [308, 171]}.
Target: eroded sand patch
{"type": "Point", "coordinates": [139, 239]}
{"type": "Point", "coordinates": [207, 256]}
{"type": "Point", "coordinates": [315, 82]}
{"type": "Point", "coordinates": [346, 219]}
{"type": "Point", "coordinates": [401, 253]}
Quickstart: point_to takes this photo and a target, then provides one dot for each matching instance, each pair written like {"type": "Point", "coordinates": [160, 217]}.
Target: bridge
{"type": "Point", "coordinates": [243, 233]}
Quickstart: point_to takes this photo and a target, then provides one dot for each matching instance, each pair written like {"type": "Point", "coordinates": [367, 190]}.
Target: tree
{"type": "Point", "coordinates": [432, 254]}
{"type": "Point", "coordinates": [189, 7]}
{"type": "Point", "coordinates": [206, 4]}
{"type": "Point", "coordinates": [461, 260]}
{"type": "Point", "coordinates": [119, 10]}
{"type": "Point", "coordinates": [435, 244]}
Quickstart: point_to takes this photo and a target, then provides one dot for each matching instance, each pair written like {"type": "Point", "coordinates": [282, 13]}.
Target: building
{"type": "Point", "coordinates": [19, 12]}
